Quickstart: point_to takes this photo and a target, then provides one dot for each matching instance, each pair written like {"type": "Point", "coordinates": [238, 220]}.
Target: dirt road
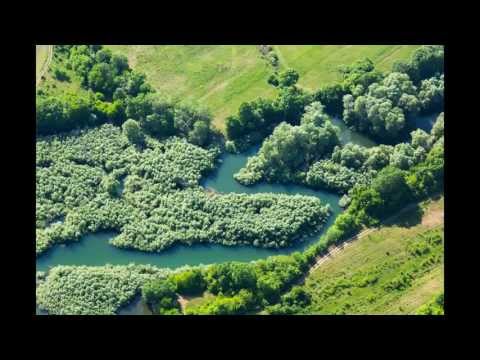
{"type": "Point", "coordinates": [46, 63]}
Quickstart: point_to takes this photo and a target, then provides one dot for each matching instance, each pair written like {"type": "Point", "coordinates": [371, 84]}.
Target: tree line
{"type": "Point", "coordinates": [380, 105]}
{"type": "Point", "coordinates": [114, 94]}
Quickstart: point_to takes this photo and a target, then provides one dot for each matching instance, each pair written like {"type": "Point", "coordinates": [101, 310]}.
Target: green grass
{"type": "Point", "coordinates": [341, 285]}
{"type": "Point", "coordinates": [55, 87]}
{"type": "Point", "coordinates": [197, 301]}
{"type": "Point", "coordinates": [318, 64]}
{"type": "Point", "coordinates": [223, 76]}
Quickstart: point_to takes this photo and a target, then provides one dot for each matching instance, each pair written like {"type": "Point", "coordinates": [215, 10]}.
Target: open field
{"type": "Point", "coordinates": [318, 64]}
{"type": "Point", "coordinates": [354, 281]}
{"type": "Point", "coordinates": [223, 76]}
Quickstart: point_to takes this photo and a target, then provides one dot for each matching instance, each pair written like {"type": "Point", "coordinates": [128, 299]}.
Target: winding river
{"type": "Point", "coordinates": [94, 249]}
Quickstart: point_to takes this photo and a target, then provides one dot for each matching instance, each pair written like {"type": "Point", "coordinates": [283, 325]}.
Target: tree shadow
{"type": "Point", "coordinates": [409, 218]}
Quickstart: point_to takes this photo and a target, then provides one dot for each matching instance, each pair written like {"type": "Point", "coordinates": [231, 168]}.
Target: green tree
{"type": "Point", "coordinates": [200, 133]}
{"type": "Point", "coordinates": [102, 78]}
{"type": "Point", "coordinates": [190, 282]}
{"type": "Point", "coordinates": [287, 78]}
{"type": "Point", "coordinates": [133, 132]}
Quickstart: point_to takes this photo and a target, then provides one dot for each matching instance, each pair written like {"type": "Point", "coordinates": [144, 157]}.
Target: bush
{"type": "Point", "coordinates": [190, 282]}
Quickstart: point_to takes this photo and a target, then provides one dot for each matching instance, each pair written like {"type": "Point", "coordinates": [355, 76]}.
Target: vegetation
{"type": "Point", "coordinates": [160, 296]}
{"type": "Point", "coordinates": [390, 271]}
{"type": "Point", "coordinates": [434, 307]}
{"type": "Point", "coordinates": [425, 62]}
{"type": "Point", "coordinates": [162, 203]}
{"type": "Point", "coordinates": [291, 149]}
{"type": "Point", "coordinates": [385, 107]}
{"type": "Point", "coordinates": [114, 93]}
{"type": "Point", "coordinates": [84, 290]}
{"type": "Point", "coordinates": [256, 119]}
{"type": "Point", "coordinates": [224, 76]}
{"type": "Point", "coordinates": [113, 154]}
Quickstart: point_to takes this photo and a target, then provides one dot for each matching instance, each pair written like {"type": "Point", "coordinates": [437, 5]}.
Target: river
{"type": "Point", "coordinates": [94, 249]}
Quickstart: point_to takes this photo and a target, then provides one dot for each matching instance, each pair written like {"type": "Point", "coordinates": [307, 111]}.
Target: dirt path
{"type": "Point", "coordinates": [433, 218]}
{"type": "Point", "coordinates": [183, 303]}
{"type": "Point", "coordinates": [45, 65]}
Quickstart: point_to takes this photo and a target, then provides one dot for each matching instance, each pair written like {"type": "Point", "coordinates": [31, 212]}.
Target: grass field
{"type": "Point", "coordinates": [223, 76]}
{"type": "Point", "coordinates": [220, 77]}
{"type": "Point", "coordinates": [354, 281]}
{"type": "Point", "coordinates": [318, 64]}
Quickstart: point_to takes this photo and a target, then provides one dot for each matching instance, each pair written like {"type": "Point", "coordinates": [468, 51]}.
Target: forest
{"type": "Point", "coordinates": [118, 155]}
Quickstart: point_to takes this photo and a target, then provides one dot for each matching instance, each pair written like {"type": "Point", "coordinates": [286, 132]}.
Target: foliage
{"type": "Point", "coordinates": [431, 94]}
{"type": "Point", "coordinates": [255, 120]}
{"type": "Point", "coordinates": [434, 307]}
{"type": "Point", "coordinates": [133, 132]}
{"type": "Point", "coordinates": [83, 290]}
{"type": "Point", "coordinates": [384, 109]}
{"type": "Point", "coordinates": [229, 278]}
{"type": "Point", "coordinates": [291, 149]}
{"type": "Point", "coordinates": [115, 93]}
{"type": "Point", "coordinates": [160, 296]}
{"type": "Point", "coordinates": [332, 97]}
{"type": "Point", "coordinates": [162, 203]}
{"type": "Point", "coordinates": [189, 282]}
{"type": "Point", "coordinates": [237, 304]}
{"type": "Point", "coordinates": [425, 62]}
{"type": "Point", "coordinates": [287, 78]}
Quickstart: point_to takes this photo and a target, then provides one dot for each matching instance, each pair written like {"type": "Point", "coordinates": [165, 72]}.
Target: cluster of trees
{"type": "Point", "coordinates": [256, 119]}
{"type": "Point", "coordinates": [238, 288]}
{"type": "Point", "coordinates": [303, 154]}
{"type": "Point", "coordinates": [426, 61]}
{"type": "Point", "coordinates": [290, 150]}
{"type": "Point", "coordinates": [116, 93]}
{"type": "Point", "coordinates": [161, 298]}
{"type": "Point", "coordinates": [162, 203]}
{"type": "Point", "coordinates": [355, 77]}
{"type": "Point", "coordinates": [357, 165]}
{"type": "Point", "coordinates": [390, 190]}
{"type": "Point", "coordinates": [371, 102]}
{"type": "Point", "coordinates": [286, 78]}
{"type": "Point", "coordinates": [295, 301]}
{"type": "Point", "coordinates": [103, 72]}
{"type": "Point", "coordinates": [384, 108]}
{"type": "Point", "coordinates": [84, 290]}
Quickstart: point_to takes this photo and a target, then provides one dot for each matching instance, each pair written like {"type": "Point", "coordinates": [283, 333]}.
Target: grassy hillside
{"type": "Point", "coordinates": [223, 76]}
{"type": "Point", "coordinates": [357, 279]}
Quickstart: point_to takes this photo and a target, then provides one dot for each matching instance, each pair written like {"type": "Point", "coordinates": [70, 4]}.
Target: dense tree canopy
{"type": "Point", "coordinates": [162, 203]}
{"type": "Point", "coordinates": [291, 149]}
{"type": "Point", "coordinates": [425, 62]}
{"type": "Point", "coordinates": [114, 94]}
{"type": "Point", "coordinates": [384, 109]}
